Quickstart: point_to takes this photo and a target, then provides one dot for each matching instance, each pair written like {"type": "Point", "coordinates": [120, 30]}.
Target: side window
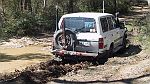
{"type": "Point", "coordinates": [104, 24]}
{"type": "Point", "coordinates": [110, 23]}
{"type": "Point", "coordinates": [114, 22]}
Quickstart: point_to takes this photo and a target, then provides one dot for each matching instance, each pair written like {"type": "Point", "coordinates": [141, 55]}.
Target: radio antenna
{"type": "Point", "coordinates": [103, 6]}
{"type": "Point", "coordinates": [56, 18]}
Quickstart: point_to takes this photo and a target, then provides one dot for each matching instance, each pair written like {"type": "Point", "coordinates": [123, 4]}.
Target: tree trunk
{"type": "Point", "coordinates": [115, 7]}
{"type": "Point", "coordinates": [2, 6]}
{"type": "Point", "coordinates": [70, 7]}
{"type": "Point", "coordinates": [29, 7]}
{"type": "Point", "coordinates": [23, 5]}
{"type": "Point", "coordinates": [44, 3]}
{"type": "Point", "coordinates": [26, 5]}
{"type": "Point", "coordinates": [2, 12]}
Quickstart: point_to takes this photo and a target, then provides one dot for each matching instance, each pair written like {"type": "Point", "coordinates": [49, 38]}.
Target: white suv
{"type": "Point", "coordinates": [88, 34]}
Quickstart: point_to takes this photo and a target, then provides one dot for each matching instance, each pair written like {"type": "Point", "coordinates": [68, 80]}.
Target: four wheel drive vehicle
{"type": "Point", "coordinates": [88, 34]}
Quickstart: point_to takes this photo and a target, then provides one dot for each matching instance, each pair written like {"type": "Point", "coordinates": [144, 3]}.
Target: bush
{"type": "Point", "coordinates": [144, 28]}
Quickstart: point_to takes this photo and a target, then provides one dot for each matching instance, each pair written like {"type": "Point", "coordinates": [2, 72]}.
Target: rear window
{"type": "Point", "coordinates": [80, 24]}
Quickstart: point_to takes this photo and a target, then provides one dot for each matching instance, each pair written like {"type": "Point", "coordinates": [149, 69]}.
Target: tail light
{"type": "Point", "coordinates": [101, 43]}
{"type": "Point", "coordinates": [53, 45]}
{"type": "Point", "coordinates": [62, 24]}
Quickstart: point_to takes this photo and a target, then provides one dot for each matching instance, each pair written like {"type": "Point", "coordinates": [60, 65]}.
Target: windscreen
{"type": "Point", "coordinates": [80, 24]}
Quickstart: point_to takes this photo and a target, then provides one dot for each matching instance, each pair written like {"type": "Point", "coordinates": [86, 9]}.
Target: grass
{"type": "Point", "coordinates": [140, 32]}
{"type": "Point", "coordinates": [129, 27]}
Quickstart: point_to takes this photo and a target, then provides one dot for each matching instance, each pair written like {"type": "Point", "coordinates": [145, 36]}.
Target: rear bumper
{"type": "Point", "coordinates": [74, 53]}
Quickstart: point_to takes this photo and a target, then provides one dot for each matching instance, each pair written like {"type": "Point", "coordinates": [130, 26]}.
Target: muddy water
{"type": "Point", "coordinates": [24, 50]}
{"type": "Point", "coordinates": [19, 58]}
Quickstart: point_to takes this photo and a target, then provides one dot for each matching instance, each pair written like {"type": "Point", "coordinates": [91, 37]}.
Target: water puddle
{"type": "Point", "coordinates": [19, 58]}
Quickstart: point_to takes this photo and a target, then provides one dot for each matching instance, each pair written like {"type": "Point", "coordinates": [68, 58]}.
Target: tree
{"type": "Point", "coordinates": [30, 17]}
{"type": "Point", "coordinates": [70, 6]}
{"type": "Point", "coordinates": [26, 5]}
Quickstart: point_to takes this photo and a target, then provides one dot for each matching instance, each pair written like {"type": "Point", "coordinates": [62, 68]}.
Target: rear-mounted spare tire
{"type": "Point", "coordinates": [70, 40]}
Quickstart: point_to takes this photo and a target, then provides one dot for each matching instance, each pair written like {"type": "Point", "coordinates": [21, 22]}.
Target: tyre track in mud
{"type": "Point", "coordinates": [42, 72]}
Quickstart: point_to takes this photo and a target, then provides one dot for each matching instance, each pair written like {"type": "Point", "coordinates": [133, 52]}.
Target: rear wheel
{"type": "Point", "coordinates": [102, 58]}
{"type": "Point", "coordinates": [110, 51]}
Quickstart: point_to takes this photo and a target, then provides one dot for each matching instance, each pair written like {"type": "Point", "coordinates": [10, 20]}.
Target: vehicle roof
{"type": "Point", "coordinates": [87, 14]}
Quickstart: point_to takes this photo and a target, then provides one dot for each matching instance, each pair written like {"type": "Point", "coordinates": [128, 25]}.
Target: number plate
{"type": "Point", "coordinates": [85, 43]}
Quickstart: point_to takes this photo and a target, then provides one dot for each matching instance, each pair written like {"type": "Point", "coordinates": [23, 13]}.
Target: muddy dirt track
{"type": "Point", "coordinates": [133, 66]}
{"type": "Point", "coordinates": [130, 67]}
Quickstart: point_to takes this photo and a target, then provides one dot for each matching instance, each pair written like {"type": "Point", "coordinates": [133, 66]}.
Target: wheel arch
{"type": "Point", "coordinates": [111, 44]}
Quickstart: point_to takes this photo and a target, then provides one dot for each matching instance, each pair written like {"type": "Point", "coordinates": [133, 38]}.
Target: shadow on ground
{"type": "Point", "coordinates": [131, 50]}
{"type": "Point", "coordinates": [126, 81]}
{"type": "Point", "coordinates": [30, 56]}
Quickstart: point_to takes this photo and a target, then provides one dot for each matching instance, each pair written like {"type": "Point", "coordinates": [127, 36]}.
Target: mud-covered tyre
{"type": "Point", "coordinates": [110, 51]}
{"type": "Point", "coordinates": [70, 39]}
{"type": "Point", "coordinates": [124, 44]}
{"type": "Point", "coordinates": [101, 59]}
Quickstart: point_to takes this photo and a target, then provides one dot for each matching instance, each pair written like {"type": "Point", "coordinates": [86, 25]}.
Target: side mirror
{"type": "Point", "coordinates": [117, 14]}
